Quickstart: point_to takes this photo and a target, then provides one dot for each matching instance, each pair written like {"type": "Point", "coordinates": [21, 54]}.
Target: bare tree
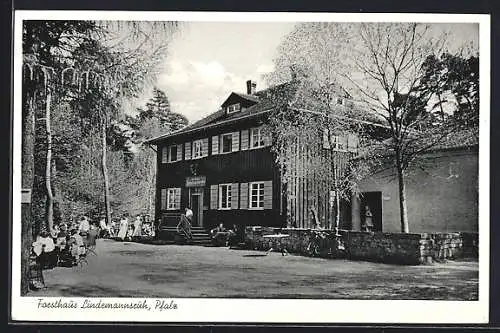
{"type": "Point", "coordinates": [386, 74]}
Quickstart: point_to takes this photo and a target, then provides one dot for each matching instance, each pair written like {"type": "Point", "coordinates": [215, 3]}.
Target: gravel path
{"type": "Point", "coordinates": [123, 269]}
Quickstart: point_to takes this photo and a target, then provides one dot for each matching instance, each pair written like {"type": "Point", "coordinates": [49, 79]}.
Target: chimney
{"type": "Point", "coordinates": [251, 87]}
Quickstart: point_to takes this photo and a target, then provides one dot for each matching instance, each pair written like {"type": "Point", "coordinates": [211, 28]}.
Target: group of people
{"type": "Point", "coordinates": [131, 231]}
{"type": "Point", "coordinates": [220, 235]}
{"type": "Point", "coordinates": [123, 230]}
{"type": "Point", "coordinates": [224, 237]}
{"type": "Point", "coordinates": [64, 244]}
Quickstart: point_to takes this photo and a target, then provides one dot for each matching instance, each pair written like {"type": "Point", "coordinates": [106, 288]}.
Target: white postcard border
{"type": "Point", "coordinates": [263, 310]}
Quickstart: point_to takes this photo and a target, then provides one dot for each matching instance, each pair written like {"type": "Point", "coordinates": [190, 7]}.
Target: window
{"type": "Point", "coordinates": [197, 148]}
{"type": "Point", "coordinates": [335, 142]}
{"type": "Point", "coordinates": [173, 198]}
{"type": "Point", "coordinates": [227, 143]}
{"type": "Point", "coordinates": [257, 195]}
{"type": "Point", "coordinates": [225, 196]}
{"type": "Point", "coordinates": [338, 142]}
{"type": "Point", "coordinates": [172, 153]}
{"type": "Point", "coordinates": [256, 138]}
{"type": "Point", "coordinates": [233, 108]}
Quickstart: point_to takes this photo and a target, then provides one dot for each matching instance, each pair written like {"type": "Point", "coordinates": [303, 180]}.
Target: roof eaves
{"type": "Point", "coordinates": [213, 125]}
{"type": "Point", "coordinates": [340, 117]}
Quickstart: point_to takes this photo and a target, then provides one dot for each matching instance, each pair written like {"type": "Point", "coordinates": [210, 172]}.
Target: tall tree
{"type": "Point", "coordinates": [388, 70]}
{"type": "Point", "coordinates": [159, 107]}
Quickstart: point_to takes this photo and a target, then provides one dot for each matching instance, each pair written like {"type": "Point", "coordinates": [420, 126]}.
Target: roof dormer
{"type": "Point", "coordinates": [238, 102]}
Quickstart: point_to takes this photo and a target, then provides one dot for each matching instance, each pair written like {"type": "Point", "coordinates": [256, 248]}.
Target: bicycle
{"type": "Point", "coordinates": [316, 241]}
{"type": "Point", "coordinates": [324, 244]}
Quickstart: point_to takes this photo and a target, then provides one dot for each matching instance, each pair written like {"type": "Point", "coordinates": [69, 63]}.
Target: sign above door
{"type": "Point", "coordinates": [196, 181]}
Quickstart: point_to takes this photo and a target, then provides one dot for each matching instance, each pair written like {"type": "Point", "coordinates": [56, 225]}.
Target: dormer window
{"type": "Point", "coordinates": [233, 108]}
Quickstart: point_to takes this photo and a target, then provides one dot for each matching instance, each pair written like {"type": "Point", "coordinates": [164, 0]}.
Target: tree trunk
{"type": "Point", "coordinates": [104, 169]}
{"type": "Point", "coordinates": [337, 212]}
{"type": "Point", "coordinates": [28, 171]}
{"type": "Point", "coordinates": [151, 184]}
{"type": "Point", "coordinates": [441, 107]}
{"type": "Point", "coordinates": [402, 196]}
{"type": "Point", "coordinates": [58, 202]}
{"type": "Point", "coordinates": [49, 204]}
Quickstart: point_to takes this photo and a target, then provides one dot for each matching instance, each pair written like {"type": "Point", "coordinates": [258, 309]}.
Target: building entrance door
{"type": "Point", "coordinates": [373, 201]}
{"type": "Point", "coordinates": [196, 205]}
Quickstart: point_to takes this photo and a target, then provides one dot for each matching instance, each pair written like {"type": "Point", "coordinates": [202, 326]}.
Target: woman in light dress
{"type": "Point", "coordinates": [122, 233]}
{"type": "Point", "coordinates": [368, 226]}
{"type": "Point", "coordinates": [137, 227]}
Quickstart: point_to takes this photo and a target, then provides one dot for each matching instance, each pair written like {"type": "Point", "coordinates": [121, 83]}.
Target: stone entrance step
{"type": "Point", "coordinates": [200, 236]}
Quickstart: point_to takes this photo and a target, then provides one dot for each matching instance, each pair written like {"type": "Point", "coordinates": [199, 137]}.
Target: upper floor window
{"type": "Point", "coordinates": [338, 142]}
{"type": "Point", "coordinates": [257, 138]}
{"type": "Point", "coordinates": [227, 143]}
{"type": "Point", "coordinates": [346, 142]}
{"type": "Point", "coordinates": [197, 148]}
{"type": "Point", "coordinates": [233, 108]}
{"type": "Point", "coordinates": [172, 153]}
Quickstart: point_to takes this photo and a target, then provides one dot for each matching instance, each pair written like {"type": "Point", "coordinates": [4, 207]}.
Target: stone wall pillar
{"type": "Point", "coordinates": [355, 213]}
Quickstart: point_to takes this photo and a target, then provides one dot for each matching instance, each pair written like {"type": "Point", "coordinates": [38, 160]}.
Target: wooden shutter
{"type": "Point", "coordinates": [235, 191]}
{"type": "Point", "coordinates": [163, 199]}
{"type": "Point", "coordinates": [177, 198]}
{"type": "Point", "coordinates": [164, 155]}
{"type": "Point", "coordinates": [204, 147]}
{"type": "Point", "coordinates": [236, 141]}
{"type": "Point", "coordinates": [343, 142]}
{"type": "Point", "coordinates": [179, 152]}
{"type": "Point", "coordinates": [215, 145]}
{"type": "Point", "coordinates": [244, 195]}
{"type": "Point", "coordinates": [214, 191]}
{"type": "Point", "coordinates": [266, 136]}
{"type": "Point", "coordinates": [244, 139]}
{"type": "Point", "coordinates": [352, 143]}
{"type": "Point", "coordinates": [268, 194]}
{"type": "Point", "coordinates": [326, 141]}
{"type": "Point", "coordinates": [187, 151]}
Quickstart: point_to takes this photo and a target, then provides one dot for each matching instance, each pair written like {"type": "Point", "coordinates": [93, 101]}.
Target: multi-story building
{"type": "Point", "coordinates": [221, 167]}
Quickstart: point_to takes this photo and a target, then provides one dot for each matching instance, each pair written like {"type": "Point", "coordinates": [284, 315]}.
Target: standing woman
{"type": "Point", "coordinates": [123, 228]}
{"type": "Point", "coordinates": [368, 219]}
{"type": "Point", "coordinates": [137, 227]}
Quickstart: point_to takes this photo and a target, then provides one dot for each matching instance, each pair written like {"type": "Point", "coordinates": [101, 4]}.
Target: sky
{"type": "Point", "coordinates": [209, 60]}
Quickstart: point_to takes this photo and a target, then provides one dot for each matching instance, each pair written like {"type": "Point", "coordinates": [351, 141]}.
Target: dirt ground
{"type": "Point", "coordinates": [124, 269]}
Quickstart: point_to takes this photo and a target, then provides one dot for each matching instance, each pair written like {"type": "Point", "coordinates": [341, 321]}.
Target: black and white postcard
{"type": "Point", "coordinates": [250, 167]}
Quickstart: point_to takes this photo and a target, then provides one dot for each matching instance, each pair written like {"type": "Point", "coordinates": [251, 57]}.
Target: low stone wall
{"type": "Point", "coordinates": [442, 246]}
{"type": "Point", "coordinates": [397, 248]}
{"type": "Point", "coordinates": [383, 247]}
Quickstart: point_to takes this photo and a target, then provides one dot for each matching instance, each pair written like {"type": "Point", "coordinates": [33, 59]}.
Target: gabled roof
{"type": "Point", "coordinates": [249, 98]}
